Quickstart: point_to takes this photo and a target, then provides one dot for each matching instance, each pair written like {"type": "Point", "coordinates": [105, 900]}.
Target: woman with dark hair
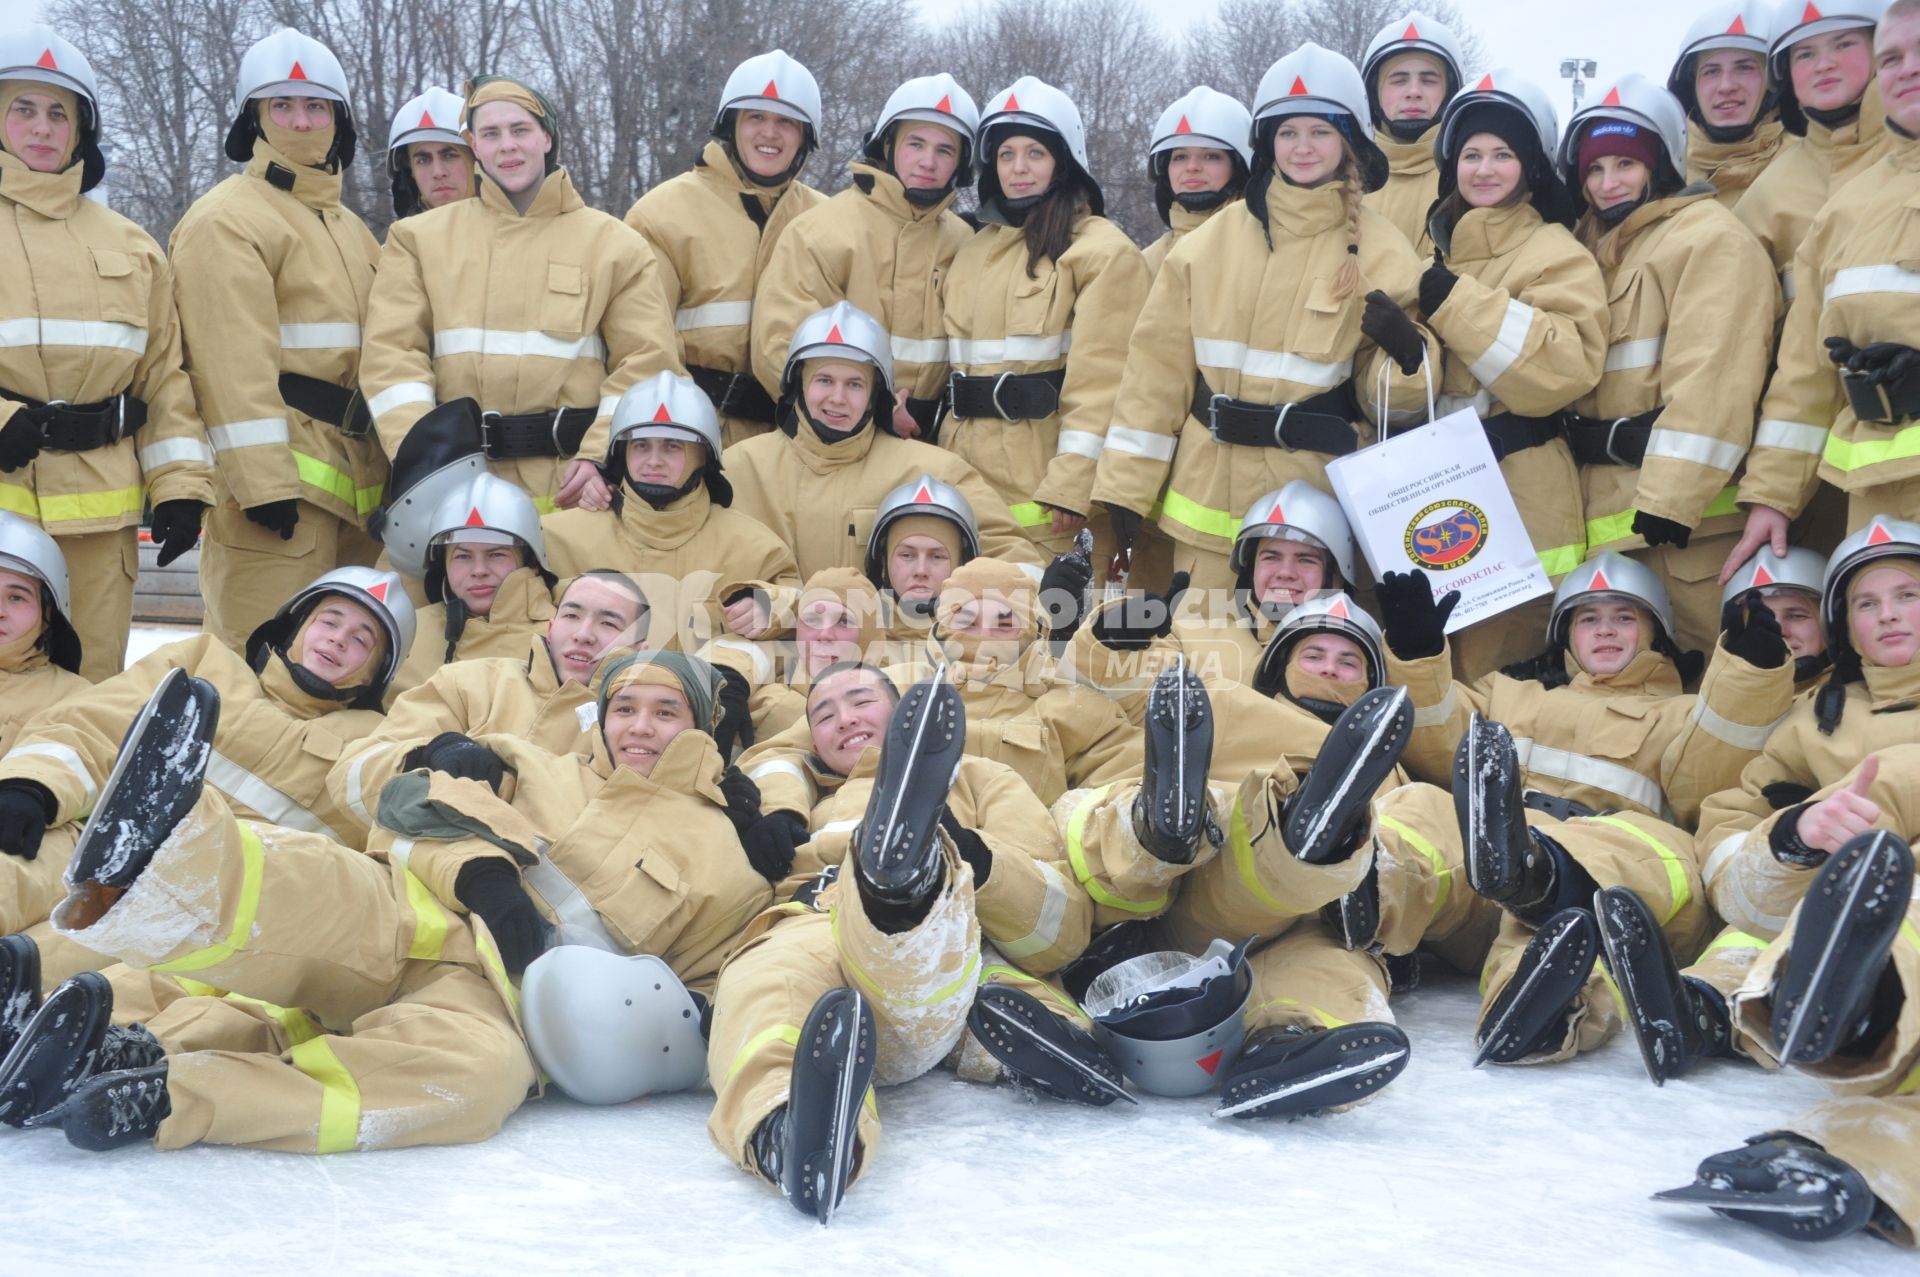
{"type": "Point", "coordinates": [1198, 159]}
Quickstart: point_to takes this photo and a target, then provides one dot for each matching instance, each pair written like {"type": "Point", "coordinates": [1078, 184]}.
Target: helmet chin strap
{"type": "Point", "coordinates": [1204, 201]}
{"type": "Point", "coordinates": [1408, 130]}
{"type": "Point", "coordinates": [661, 495]}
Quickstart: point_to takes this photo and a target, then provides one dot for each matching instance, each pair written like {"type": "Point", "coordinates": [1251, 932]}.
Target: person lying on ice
{"type": "Point", "coordinates": [389, 1018]}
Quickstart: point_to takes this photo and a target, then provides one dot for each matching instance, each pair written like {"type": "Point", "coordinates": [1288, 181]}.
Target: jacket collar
{"type": "Point", "coordinates": [667, 529]}
{"type": "Point", "coordinates": [1889, 686]}
{"type": "Point", "coordinates": [314, 187]}
{"type": "Point", "coordinates": [889, 193]}
{"type": "Point", "coordinates": [1747, 156]}
{"type": "Point", "coordinates": [1647, 674]}
{"type": "Point", "coordinates": [52, 195]}
{"type": "Point", "coordinates": [556, 196]}
{"type": "Point", "coordinates": [276, 682]}
{"type": "Point", "coordinates": [1407, 159]}
{"type": "Point", "coordinates": [1302, 212]}
{"type": "Point", "coordinates": [716, 167]}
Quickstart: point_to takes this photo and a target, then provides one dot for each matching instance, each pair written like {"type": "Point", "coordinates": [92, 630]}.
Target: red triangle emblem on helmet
{"type": "Point", "coordinates": [1339, 609]}
{"type": "Point", "coordinates": [46, 60]}
{"type": "Point", "coordinates": [1411, 33]}
{"type": "Point", "coordinates": [1739, 26]}
{"type": "Point", "coordinates": [771, 91]}
{"type": "Point", "coordinates": [1879, 535]}
{"type": "Point", "coordinates": [1210, 1062]}
{"type": "Point", "coordinates": [1599, 581]}
{"type": "Point", "coordinates": [1275, 515]}
{"type": "Point", "coordinates": [833, 335]}
{"type": "Point", "coordinates": [1612, 98]}
{"type": "Point", "coordinates": [1812, 13]}
{"type": "Point", "coordinates": [473, 521]}
{"type": "Point", "coordinates": [1486, 82]}
{"type": "Point", "coordinates": [661, 414]}
{"type": "Point", "coordinates": [426, 120]}
{"type": "Point", "coordinates": [296, 73]}
{"type": "Point", "coordinates": [378, 592]}
{"type": "Point", "coordinates": [1013, 103]}
{"type": "Point", "coordinates": [1183, 126]}
{"type": "Point", "coordinates": [1299, 88]}
{"type": "Point", "coordinates": [945, 104]}
{"type": "Point", "coordinates": [924, 496]}
{"type": "Point", "coordinates": [1761, 576]}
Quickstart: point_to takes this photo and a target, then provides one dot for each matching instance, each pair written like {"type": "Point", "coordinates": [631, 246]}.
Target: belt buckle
{"type": "Point", "coordinates": [1279, 428]}
{"type": "Point", "coordinates": [46, 427]}
{"type": "Point", "coordinates": [1213, 412]}
{"type": "Point", "coordinates": [347, 417]}
{"type": "Point", "coordinates": [1864, 396]}
{"type": "Point", "coordinates": [486, 432]}
{"type": "Point", "coordinates": [993, 397]}
{"type": "Point", "coordinates": [554, 432]}
{"type": "Point", "coordinates": [119, 417]}
{"type": "Point", "coordinates": [1613, 456]}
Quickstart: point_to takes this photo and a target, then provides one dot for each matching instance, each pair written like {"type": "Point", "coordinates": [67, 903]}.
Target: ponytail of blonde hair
{"type": "Point", "coordinates": [1347, 278]}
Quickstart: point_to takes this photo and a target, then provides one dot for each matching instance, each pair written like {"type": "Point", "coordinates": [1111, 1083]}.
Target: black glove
{"type": "Point", "coordinates": [736, 713]}
{"type": "Point", "coordinates": [1063, 587]}
{"type": "Point", "coordinates": [1436, 285]}
{"type": "Point", "coordinates": [771, 841]}
{"type": "Point", "coordinates": [176, 528]}
{"type": "Point", "coordinates": [491, 888]}
{"type": "Point", "coordinates": [1140, 618]}
{"type": "Point", "coordinates": [972, 847]}
{"type": "Point", "coordinates": [276, 516]}
{"type": "Point", "coordinates": [1655, 530]}
{"type": "Point", "coordinates": [26, 808]}
{"type": "Point", "coordinates": [743, 799]}
{"type": "Point", "coordinates": [1782, 794]}
{"type": "Point", "coordinates": [1415, 622]}
{"type": "Point", "coordinates": [1390, 329]}
{"type": "Point", "coordinates": [1840, 350]}
{"type": "Point", "coordinates": [1125, 524]}
{"type": "Point", "coordinates": [1878, 362]}
{"type": "Point", "coordinates": [1783, 840]}
{"type": "Point", "coordinates": [1751, 631]}
{"type": "Point", "coordinates": [458, 756]}
{"type": "Point", "coordinates": [20, 439]}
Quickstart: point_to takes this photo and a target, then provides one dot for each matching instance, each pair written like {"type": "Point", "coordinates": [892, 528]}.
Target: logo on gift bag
{"type": "Point", "coordinates": [1449, 540]}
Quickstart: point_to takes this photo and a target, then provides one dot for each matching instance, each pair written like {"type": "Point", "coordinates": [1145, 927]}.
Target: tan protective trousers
{"type": "Point", "coordinates": [1424, 895]}
{"type": "Point", "coordinates": [29, 889]}
{"type": "Point", "coordinates": [247, 571]}
{"type": "Point", "coordinates": [357, 1012]}
{"type": "Point", "coordinates": [102, 567]}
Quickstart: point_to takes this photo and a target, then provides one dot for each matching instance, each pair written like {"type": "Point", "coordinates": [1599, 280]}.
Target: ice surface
{"type": "Point", "coordinates": [1450, 1169]}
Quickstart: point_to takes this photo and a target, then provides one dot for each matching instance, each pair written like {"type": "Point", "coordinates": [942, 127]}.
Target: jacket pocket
{"type": "Point", "coordinates": [1619, 730]}
{"type": "Point", "coordinates": [121, 290]}
{"type": "Point", "coordinates": [1030, 302]}
{"type": "Point", "coordinates": [1315, 330]}
{"type": "Point", "coordinates": [564, 308]}
{"type": "Point", "coordinates": [637, 903]}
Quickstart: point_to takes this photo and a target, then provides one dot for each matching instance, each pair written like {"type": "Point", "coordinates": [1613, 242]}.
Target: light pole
{"type": "Point", "coordinates": [1579, 70]}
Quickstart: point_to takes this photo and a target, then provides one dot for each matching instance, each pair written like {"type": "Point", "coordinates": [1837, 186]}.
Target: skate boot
{"type": "Point", "coordinates": [1325, 820]}
{"type": "Point", "coordinates": [1355, 917]}
{"type": "Point", "coordinates": [1825, 991]}
{"type": "Point", "coordinates": [1170, 811]}
{"type": "Point", "coordinates": [1531, 1012]}
{"type": "Point", "coordinates": [1785, 1185]}
{"type": "Point", "coordinates": [1294, 1071]}
{"type": "Point", "coordinates": [1043, 1051]}
{"type": "Point", "coordinates": [19, 987]}
{"type": "Point", "coordinates": [897, 848]}
{"type": "Point", "coordinates": [1521, 870]}
{"type": "Point", "coordinates": [112, 1110]}
{"type": "Point", "coordinates": [812, 1139]}
{"type": "Point", "coordinates": [1676, 1019]}
{"type": "Point", "coordinates": [56, 1049]}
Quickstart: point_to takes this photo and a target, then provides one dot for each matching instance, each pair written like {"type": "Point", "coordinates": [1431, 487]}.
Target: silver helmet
{"type": "Point", "coordinates": [1297, 512]}
{"type": "Point", "coordinates": [925, 495]}
{"type": "Point", "coordinates": [289, 64]}
{"type": "Point", "coordinates": [487, 511]}
{"type": "Point", "coordinates": [1798, 20]}
{"type": "Point", "coordinates": [1180, 1042]}
{"type": "Point", "coordinates": [1316, 81]}
{"type": "Point", "coordinates": [1637, 103]}
{"type": "Point", "coordinates": [1201, 116]}
{"type": "Point", "coordinates": [1328, 614]}
{"type": "Point", "coordinates": [1884, 537]}
{"type": "Point", "coordinates": [609, 1027]}
{"type": "Point", "coordinates": [26, 548]}
{"type": "Point", "coordinates": [1610, 575]}
{"type": "Point", "coordinates": [382, 593]}
{"type": "Point", "coordinates": [38, 53]}
{"type": "Point", "coordinates": [776, 82]}
{"type": "Point", "coordinates": [929, 99]}
{"type": "Point", "coordinates": [1414, 33]}
{"type": "Point", "coordinates": [441, 454]}
{"type": "Point", "coordinates": [1032, 102]}
{"type": "Point", "coordinates": [845, 332]}
{"type": "Point", "coordinates": [1799, 569]}
{"type": "Point", "coordinates": [667, 406]}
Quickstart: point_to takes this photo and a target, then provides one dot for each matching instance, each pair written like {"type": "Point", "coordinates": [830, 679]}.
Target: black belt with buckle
{"type": "Point", "coordinates": [1031, 396]}
{"type": "Point", "coordinates": [734, 394]}
{"type": "Point", "coordinates": [338, 406]}
{"type": "Point", "coordinates": [82, 427]}
{"type": "Point", "coordinates": [1597, 441]}
{"type": "Point", "coordinates": [1322, 423]}
{"type": "Point", "coordinates": [552, 433]}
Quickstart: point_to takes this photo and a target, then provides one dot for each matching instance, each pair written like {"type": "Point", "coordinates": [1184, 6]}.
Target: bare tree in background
{"type": "Point", "coordinates": [1246, 37]}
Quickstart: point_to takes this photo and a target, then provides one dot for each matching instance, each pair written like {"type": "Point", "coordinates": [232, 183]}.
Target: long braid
{"type": "Point", "coordinates": [1347, 278]}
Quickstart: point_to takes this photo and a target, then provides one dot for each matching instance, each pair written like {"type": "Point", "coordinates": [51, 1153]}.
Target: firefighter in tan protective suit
{"type": "Point", "coordinates": [1690, 304]}
{"type": "Point", "coordinates": [1039, 307]}
{"type": "Point", "coordinates": [1198, 158]}
{"type": "Point", "coordinates": [96, 415]}
{"type": "Point", "coordinates": [1520, 309]}
{"type": "Point", "coordinates": [1264, 325]}
{"type": "Point", "coordinates": [272, 275]}
{"type": "Point", "coordinates": [885, 244]}
{"type": "Point", "coordinates": [428, 158]}
{"type": "Point", "coordinates": [1412, 71]}
{"type": "Point", "coordinates": [715, 226]}
{"type": "Point", "coordinates": [538, 308]}
{"type": "Point", "coordinates": [1721, 76]}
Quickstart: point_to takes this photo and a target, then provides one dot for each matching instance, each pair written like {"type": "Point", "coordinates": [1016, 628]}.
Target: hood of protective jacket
{"type": "Point", "coordinates": [316, 188]}
{"type": "Point", "coordinates": [556, 196]}
{"type": "Point", "coordinates": [52, 195]}
{"type": "Point", "coordinates": [1650, 673]}
{"type": "Point", "coordinates": [890, 193]}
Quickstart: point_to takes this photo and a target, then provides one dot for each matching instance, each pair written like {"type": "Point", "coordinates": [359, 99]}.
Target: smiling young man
{"type": "Point", "coordinates": [1722, 78]}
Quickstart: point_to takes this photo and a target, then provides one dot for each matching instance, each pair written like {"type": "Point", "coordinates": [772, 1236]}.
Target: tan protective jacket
{"type": "Point", "coordinates": [871, 246]}
{"type": "Point", "coordinates": [272, 749]}
{"type": "Point", "coordinates": [1630, 741]}
{"type": "Point", "coordinates": [521, 609]}
{"type": "Point", "coordinates": [713, 233]}
{"type": "Point", "coordinates": [1782, 201]}
{"type": "Point", "coordinates": [1075, 313]}
{"type": "Point", "coordinates": [1258, 321]}
{"type": "Point", "coordinates": [1413, 184]}
{"type": "Point", "coordinates": [1732, 167]}
{"type": "Point", "coordinates": [819, 499]}
{"type": "Point", "coordinates": [271, 276]}
{"type": "Point", "coordinates": [29, 684]}
{"type": "Point", "coordinates": [1859, 266]}
{"type": "Point", "coordinates": [86, 311]}
{"type": "Point", "coordinates": [561, 308]}
{"type": "Point", "coordinates": [1691, 307]}
{"type": "Point", "coordinates": [1525, 332]}
{"type": "Point", "coordinates": [1179, 222]}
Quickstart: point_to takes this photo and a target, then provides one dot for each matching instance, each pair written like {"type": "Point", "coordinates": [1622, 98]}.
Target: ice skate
{"type": "Point", "coordinates": [56, 1050]}
{"type": "Point", "coordinates": [1848, 920]}
{"type": "Point", "coordinates": [19, 988]}
{"type": "Point", "coordinates": [113, 1110]}
{"type": "Point", "coordinates": [1355, 917]}
{"type": "Point", "coordinates": [1506, 863]}
{"type": "Point", "coordinates": [1531, 1011]}
{"type": "Point", "coordinates": [897, 847]}
{"type": "Point", "coordinates": [1043, 1051]}
{"type": "Point", "coordinates": [1675, 1020]}
{"type": "Point", "coordinates": [807, 1146]}
{"type": "Point", "coordinates": [1170, 811]}
{"type": "Point", "coordinates": [1784, 1185]}
{"type": "Point", "coordinates": [1326, 816]}
{"type": "Point", "coordinates": [1292, 1072]}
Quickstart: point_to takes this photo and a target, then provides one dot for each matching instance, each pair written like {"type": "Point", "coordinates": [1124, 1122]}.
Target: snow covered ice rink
{"type": "Point", "coordinates": [1450, 1170]}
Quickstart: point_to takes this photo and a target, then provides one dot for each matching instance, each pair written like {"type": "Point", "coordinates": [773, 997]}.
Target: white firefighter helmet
{"type": "Point", "coordinates": [1202, 116]}
{"type": "Point", "coordinates": [487, 510]}
{"type": "Point", "coordinates": [925, 495]}
{"type": "Point", "coordinates": [1033, 102]}
{"type": "Point", "coordinates": [1746, 25]}
{"type": "Point", "coordinates": [1414, 33]}
{"type": "Point", "coordinates": [774, 82]}
{"type": "Point", "coordinates": [289, 64]}
{"type": "Point", "coordinates": [1334, 613]}
{"type": "Point", "coordinates": [1634, 100]}
{"type": "Point", "coordinates": [929, 99]}
{"type": "Point", "coordinates": [26, 548]}
{"type": "Point", "coordinates": [1174, 1022]}
{"type": "Point", "coordinates": [1297, 512]}
{"type": "Point", "coordinates": [667, 406]}
{"type": "Point", "coordinates": [1614, 575]}
{"type": "Point", "coordinates": [1798, 569]}
{"type": "Point", "coordinates": [1500, 87]}
{"type": "Point", "coordinates": [1798, 20]}
{"type": "Point", "coordinates": [382, 593]}
{"type": "Point", "coordinates": [442, 453]}
{"type": "Point", "coordinates": [1884, 537]}
{"type": "Point", "coordinates": [609, 1028]}
{"type": "Point", "coordinates": [38, 53]}
{"type": "Point", "coordinates": [433, 116]}
{"type": "Point", "coordinates": [841, 331]}
{"type": "Point", "coordinates": [1316, 81]}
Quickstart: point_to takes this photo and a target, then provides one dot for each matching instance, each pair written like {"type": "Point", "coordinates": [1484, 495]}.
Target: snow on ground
{"type": "Point", "coordinates": [1449, 1170]}
{"type": "Point", "coordinates": [145, 638]}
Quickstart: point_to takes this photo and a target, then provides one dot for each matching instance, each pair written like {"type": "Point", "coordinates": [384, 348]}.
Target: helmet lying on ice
{"type": "Point", "coordinates": [1297, 512]}
{"type": "Point", "coordinates": [434, 116]}
{"type": "Point", "coordinates": [928, 99]}
{"type": "Point", "coordinates": [1202, 117]}
{"type": "Point", "coordinates": [1799, 569]}
{"type": "Point", "coordinates": [608, 1028]}
{"type": "Point", "coordinates": [1316, 81]}
{"type": "Point", "coordinates": [39, 54]}
{"type": "Point", "coordinates": [26, 548]}
{"type": "Point", "coordinates": [1334, 613]}
{"type": "Point", "coordinates": [1174, 1021]}
{"type": "Point", "coordinates": [774, 82]}
{"type": "Point", "coordinates": [669, 406]}
{"type": "Point", "coordinates": [923, 496]}
{"type": "Point", "coordinates": [845, 333]}
{"type": "Point", "coordinates": [1611, 576]}
{"type": "Point", "coordinates": [382, 593]}
{"type": "Point", "coordinates": [1537, 125]}
{"type": "Point", "coordinates": [1027, 104]}
{"type": "Point", "coordinates": [1746, 25]}
{"type": "Point", "coordinates": [1798, 20]}
{"type": "Point", "coordinates": [486, 511]}
{"type": "Point", "coordinates": [1414, 33]}
{"type": "Point", "coordinates": [1634, 100]}
{"type": "Point", "coordinates": [288, 64]}
{"type": "Point", "coordinates": [441, 454]}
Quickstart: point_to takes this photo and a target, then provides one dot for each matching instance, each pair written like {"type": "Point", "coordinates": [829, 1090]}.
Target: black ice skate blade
{"type": "Point", "coordinates": [833, 1066]}
{"type": "Point", "coordinates": [155, 782]}
{"type": "Point", "coordinates": [924, 742]}
{"type": "Point", "coordinates": [1555, 965]}
{"type": "Point", "coordinates": [1848, 921]}
{"type": "Point", "coordinates": [55, 1051]}
{"type": "Point", "coordinates": [1179, 752]}
{"type": "Point", "coordinates": [1339, 1066]}
{"type": "Point", "coordinates": [1042, 1051]}
{"type": "Point", "coordinates": [1487, 802]}
{"type": "Point", "coordinates": [1643, 971]}
{"type": "Point", "coordinates": [1360, 752]}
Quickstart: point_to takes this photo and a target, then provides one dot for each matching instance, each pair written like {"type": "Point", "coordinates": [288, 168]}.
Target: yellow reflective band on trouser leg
{"type": "Point", "coordinates": [1077, 857]}
{"type": "Point", "coordinates": [1562, 559]}
{"type": "Point", "coordinates": [1328, 1021]}
{"type": "Point", "coordinates": [339, 1095]}
{"type": "Point", "coordinates": [1734, 940]}
{"type": "Point", "coordinates": [1241, 841]}
{"type": "Point", "coordinates": [965, 979]}
{"type": "Point", "coordinates": [300, 1029]}
{"type": "Point", "coordinates": [1910, 1083]}
{"type": "Point", "coordinates": [1029, 514]}
{"type": "Point", "coordinates": [1190, 513]}
{"type": "Point", "coordinates": [1852, 454]}
{"type": "Point", "coordinates": [429, 920]}
{"type": "Point", "coordinates": [1676, 872]}
{"type": "Point", "coordinates": [1619, 1001]}
{"type": "Point", "coordinates": [1432, 853]}
{"type": "Point", "coordinates": [335, 482]}
{"type": "Point", "coordinates": [1604, 531]}
{"type": "Point", "coordinates": [790, 1034]}
{"type": "Point", "coordinates": [1034, 985]}
{"type": "Point", "coordinates": [491, 956]}
{"type": "Point", "coordinates": [253, 861]}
